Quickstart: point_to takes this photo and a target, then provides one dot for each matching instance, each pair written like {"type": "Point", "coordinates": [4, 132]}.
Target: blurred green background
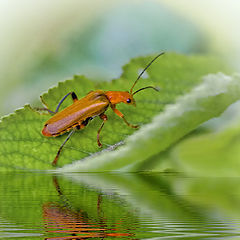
{"type": "Point", "coordinates": [44, 42]}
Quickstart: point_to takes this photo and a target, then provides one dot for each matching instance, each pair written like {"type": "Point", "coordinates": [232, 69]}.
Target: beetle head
{"type": "Point", "coordinates": [128, 99]}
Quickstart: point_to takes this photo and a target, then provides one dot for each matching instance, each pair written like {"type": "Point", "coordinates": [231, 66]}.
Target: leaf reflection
{"type": "Point", "coordinates": [122, 206]}
{"type": "Point", "coordinates": [62, 217]}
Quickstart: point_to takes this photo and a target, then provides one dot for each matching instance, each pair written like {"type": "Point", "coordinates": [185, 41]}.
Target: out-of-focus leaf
{"type": "Point", "coordinates": [212, 154]}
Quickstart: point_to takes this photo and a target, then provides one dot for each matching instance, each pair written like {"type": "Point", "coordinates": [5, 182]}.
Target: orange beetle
{"type": "Point", "coordinates": [94, 104]}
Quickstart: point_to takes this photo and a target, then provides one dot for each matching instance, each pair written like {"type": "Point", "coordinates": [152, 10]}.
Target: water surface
{"type": "Point", "coordinates": [118, 206]}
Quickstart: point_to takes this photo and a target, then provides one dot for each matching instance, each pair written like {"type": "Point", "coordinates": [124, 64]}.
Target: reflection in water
{"type": "Point", "coordinates": [63, 218]}
{"type": "Point", "coordinates": [118, 206]}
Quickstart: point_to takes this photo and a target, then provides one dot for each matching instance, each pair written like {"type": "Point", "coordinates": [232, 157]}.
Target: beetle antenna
{"type": "Point", "coordinates": [155, 88]}
{"type": "Point", "coordinates": [139, 76]}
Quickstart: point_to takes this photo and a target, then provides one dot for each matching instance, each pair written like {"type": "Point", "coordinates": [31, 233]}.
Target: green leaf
{"type": "Point", "coordinates": [23, 146]}
{"type": "Point", "coordinates": [204, 102]}
{"type": "Point", "coordinates": [212, 154]}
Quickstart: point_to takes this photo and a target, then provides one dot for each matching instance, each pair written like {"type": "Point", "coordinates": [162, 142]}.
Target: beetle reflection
{"type": "Point", "coordinates": [62, 218]}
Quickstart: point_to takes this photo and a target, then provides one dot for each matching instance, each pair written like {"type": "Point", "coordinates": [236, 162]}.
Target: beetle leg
{"type": "Point", "coordinates": [104, 118]}
{"type": "Point", "coordinates": [74, 98]}
{"type": "Point", "coordinates": [84, 123]}
{"type": "Point", "coordinates": [44, 109]}
{"type": "Point", "coordinates": [61, 147]}
{"type": "Point", "coordinates": [122, 116]}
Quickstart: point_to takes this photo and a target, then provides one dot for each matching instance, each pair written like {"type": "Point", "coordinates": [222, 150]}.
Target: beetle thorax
{"type": "Point", "coordinates": [116, 97]}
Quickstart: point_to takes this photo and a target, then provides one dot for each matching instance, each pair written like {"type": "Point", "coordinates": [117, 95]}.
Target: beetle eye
{"type": "Point", "coordinates": [128, 100]}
